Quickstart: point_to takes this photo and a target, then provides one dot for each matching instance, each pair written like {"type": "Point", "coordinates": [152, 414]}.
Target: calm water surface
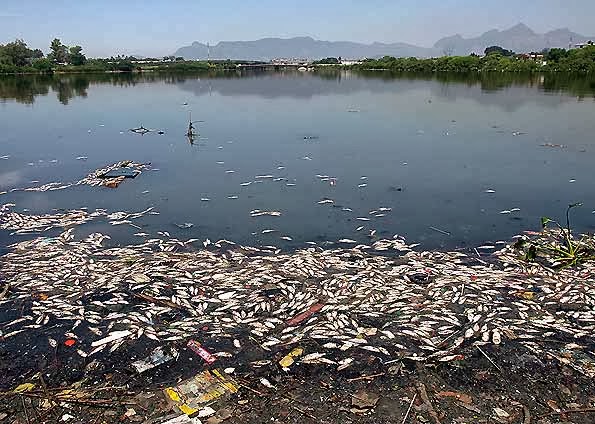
{"type": "Point", "coordinates": [427, 148]}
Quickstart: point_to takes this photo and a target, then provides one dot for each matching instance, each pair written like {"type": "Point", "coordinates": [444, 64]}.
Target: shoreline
{"type": "Point", "coordinates": [316, 68]}
{"type": "Point", "coordinates": [369, 326]}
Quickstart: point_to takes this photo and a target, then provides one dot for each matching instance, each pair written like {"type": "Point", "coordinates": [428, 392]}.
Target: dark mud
{"type": "Point", "coordinates": [521, 387]}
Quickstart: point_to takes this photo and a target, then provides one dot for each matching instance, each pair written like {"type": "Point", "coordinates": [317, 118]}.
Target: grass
{"type": "Point", "coordinates": [557, 247]}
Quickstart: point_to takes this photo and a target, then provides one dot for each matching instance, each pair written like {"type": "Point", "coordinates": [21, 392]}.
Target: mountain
{"type": "Point", "coordinates": [298, 47]}
{"type": "Point", "coordinates": [520, 38]}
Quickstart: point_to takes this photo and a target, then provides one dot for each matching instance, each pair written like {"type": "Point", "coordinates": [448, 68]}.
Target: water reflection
{"type": "Point", "coordinates": [25, 89]}
{"type": "Point", "coordinates": [444, 151]}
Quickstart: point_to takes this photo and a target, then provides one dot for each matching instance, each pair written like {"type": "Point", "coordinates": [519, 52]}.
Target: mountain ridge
{"type": "Point", "coordinates": [519, 38]}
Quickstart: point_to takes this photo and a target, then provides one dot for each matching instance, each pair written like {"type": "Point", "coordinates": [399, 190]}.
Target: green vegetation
{"type": "Point", "coordinates": [557, 247]}
{"type": "Point", "coordinates": [18, 58]}
{"type": "Point", "coordinates": [328, 61]}
{"type": "Point", "coordinates": [498, 50]}
{"type": "Point", "coordinates": [496, 60]}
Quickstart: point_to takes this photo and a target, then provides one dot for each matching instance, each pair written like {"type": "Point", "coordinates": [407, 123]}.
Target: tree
{"type": "Point", "coordinates": [37, 54]}
{"type": "Point", "coordinates": [59, 52]}
{"type": "Point", "coordinates": [76, 57]}
{"type": "Point", "coordinates": [498, 50]}
{"type": "Point", "coordinates": [18, 53]}
{"type": "Point", "coordinates": [554, 55]}
{"type": "Point", "coordinates": [43, 65]}
{"type": "Point", "coordinates": [328, 61]}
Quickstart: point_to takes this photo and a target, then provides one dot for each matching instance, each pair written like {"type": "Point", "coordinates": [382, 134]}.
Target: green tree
{"type": "Point", "coordinates": [554, 55]}
{"type": "Point", "coordinates": [59, 52]}
{"type": "Point", "coordinates": [37, 54]}
{"type": "Point", "coordinates": [18, 53]}
{"type": "Point", "coordinates": [76, 57]}
{"type": "Point", "coordinates": [43, 65]}
{"type": "Point", "coordinates": [328, 61]}
{"type": "Point", "coordinates": [499, 50]}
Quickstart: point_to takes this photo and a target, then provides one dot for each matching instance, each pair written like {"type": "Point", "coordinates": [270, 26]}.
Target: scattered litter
{"type": "Point", "coordinates": [191, 394]}
{"type": "Point", "coordinates": [266, 383]}
{"type": "Point", "coordinates": [158, 356]}
{"type": "Point", "coordinates": [201, 351]}
{"type": "Point", "coordinates": [311, 311]}
{"type": "Point", "coordinates": [125, 172]}
{"type": "Point", "coordinates": [288, 359]}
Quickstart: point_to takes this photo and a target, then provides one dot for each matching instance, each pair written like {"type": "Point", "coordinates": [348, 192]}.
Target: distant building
{"type": "Point", "coordinates": [349, 62]}
{"type": "Point", "coordinates": [583, 45]}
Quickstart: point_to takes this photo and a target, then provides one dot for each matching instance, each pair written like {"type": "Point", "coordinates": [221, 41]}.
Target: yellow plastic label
{"type": "Point", "coordinates": [290, 357]}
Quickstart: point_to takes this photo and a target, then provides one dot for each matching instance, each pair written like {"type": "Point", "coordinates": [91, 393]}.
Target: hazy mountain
{"type": "Point", "coordinates": [299, 47]}
{"type": "Point", "coordinates": [519, 38]}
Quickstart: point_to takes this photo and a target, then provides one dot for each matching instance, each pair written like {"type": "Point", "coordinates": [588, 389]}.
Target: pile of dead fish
{"type": "Point", "coordinates": [99, 177]}
{"type": "Point", "coordinates": [21, 223]}
{"type": "Point", "coordinates": [25, 223]}
{"type": "Point", "coordinates": [425, 306]}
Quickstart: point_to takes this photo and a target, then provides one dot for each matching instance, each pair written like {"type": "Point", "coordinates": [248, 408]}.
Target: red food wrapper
{"type": "Point", "coordinates": [201, 351]}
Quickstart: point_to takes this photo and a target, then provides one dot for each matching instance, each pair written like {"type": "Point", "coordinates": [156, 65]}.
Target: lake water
{"type": "Point", "coordinates": [427, 148]}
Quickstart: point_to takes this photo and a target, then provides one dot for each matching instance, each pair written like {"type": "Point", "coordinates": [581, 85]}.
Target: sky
{"type": "Point", "coordinates": [157, 27]}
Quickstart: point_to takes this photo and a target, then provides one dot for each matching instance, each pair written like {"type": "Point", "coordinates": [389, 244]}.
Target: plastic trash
{"type": "Point", "coordinates": [311, 311]}
{"type": "Point", "coordinates": [125, 172]}
{"type": "Point", "coordinates": [191, 394]}
{"type": "Point", "coordinates": [201, 351]}
{"type": "Point", "coordinates": [157, 357]}
{"type": "Point", "coordinates": [182, 419]}
{"type": "Point", "coordinates": [289, 359]}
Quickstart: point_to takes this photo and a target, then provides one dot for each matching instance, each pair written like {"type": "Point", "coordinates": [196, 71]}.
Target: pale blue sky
{"type": "Point", "coordinates": [153, 27]}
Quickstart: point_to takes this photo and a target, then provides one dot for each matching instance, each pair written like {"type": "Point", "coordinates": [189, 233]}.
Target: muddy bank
{"type": "Point", "coordinates": [526, 389]}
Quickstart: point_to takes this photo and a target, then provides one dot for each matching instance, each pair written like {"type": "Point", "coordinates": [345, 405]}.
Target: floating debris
{"type": "Point", "coordinates": [139, 130]}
